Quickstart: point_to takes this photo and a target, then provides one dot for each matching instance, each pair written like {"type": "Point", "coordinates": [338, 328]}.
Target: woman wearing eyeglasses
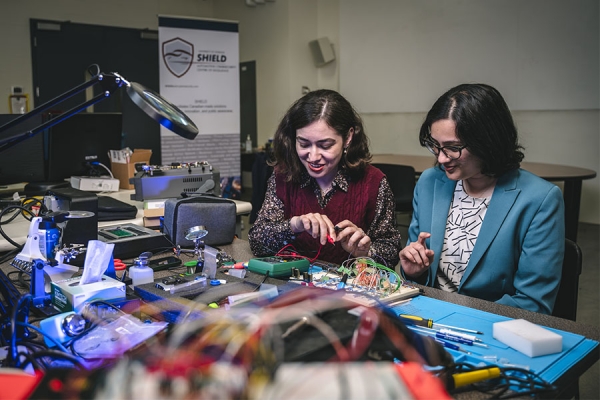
{"type": "Point", "coordinates": [481, 226]}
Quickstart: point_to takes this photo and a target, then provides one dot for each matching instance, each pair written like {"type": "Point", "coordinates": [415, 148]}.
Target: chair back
{"type": "Point", "coordinates": [261, 172]}
{"type": "Point", "coordinates": [566, 300]}
{"type": "Point", "coordinates": [402, 182]}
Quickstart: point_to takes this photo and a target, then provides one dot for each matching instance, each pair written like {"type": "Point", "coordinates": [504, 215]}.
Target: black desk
{"type": "Point", "coordinates": [240, 251]}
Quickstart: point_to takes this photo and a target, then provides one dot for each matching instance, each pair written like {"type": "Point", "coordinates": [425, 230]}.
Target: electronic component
{"type": "Point", "coordinates": [161, 182]}
{"type": "Point", "coordinates": [278, 267]}
{"type": "Point", "coordinates": [179, 283]}
{"type": "Point", "coordinates": [160, 264]}
{"type": "Point", "coordinates": [130, 240]}
{"type": "Point", "coordinates": [363, 294]}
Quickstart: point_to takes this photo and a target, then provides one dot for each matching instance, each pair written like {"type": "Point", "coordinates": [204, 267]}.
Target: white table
{"type": "Point", "coordinates": [17, 229]}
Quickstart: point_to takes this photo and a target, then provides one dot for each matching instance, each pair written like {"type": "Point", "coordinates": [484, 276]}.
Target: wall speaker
{"type": "Point", "coordinates": [322, 51]}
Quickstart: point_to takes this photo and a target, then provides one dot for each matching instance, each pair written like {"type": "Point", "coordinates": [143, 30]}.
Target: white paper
{"type": "Point", "coordinates": [97, 258]}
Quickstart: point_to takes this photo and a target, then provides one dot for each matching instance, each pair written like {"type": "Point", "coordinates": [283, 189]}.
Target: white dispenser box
{"type": "Point", "coordinates": [69, 295]}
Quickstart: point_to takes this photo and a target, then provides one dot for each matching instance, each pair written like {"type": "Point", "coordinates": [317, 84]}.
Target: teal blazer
{"type": "Point", "coordinates": [517, 259]}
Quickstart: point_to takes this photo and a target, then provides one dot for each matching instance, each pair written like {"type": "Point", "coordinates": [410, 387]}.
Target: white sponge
{"type": "Point", "coordinates": [530, 339]}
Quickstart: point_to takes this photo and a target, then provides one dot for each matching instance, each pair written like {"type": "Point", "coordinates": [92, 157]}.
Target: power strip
{"type": "Point", "coordinates": [95, 184]}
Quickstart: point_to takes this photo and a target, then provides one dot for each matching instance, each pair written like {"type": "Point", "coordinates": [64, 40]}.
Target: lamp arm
{"type": "Point", "coordinates": [109, 83]}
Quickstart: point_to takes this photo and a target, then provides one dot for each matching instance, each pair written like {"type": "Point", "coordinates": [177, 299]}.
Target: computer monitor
{"type": "Point", "coordinates": [24, 162]}
{"type": "Point", "coordinates": [139, 131]}
{"type": "Point", "coordinates": [82, 138]}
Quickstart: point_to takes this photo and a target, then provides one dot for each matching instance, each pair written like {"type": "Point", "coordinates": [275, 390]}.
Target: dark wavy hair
{"type": "Point", "coordinates": [483, 123]}
{"type": "Point", "coordinates": [332, 108]}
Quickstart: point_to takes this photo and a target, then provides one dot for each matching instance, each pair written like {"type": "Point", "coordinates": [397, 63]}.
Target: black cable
{"type": "Point", "coordinates": [29, 202]}
{"type": "Point", "coordinates": [512, 382]}
{"type": "Point", "coordinates": [12, 354]}
{"type": "Point", "coordinates": [58, 354]}
{"type": "Point", "coordinates": [93, 69]}
{"type": "Point", "coordinates": [9, 255]}
{"type": "Point", "coordinates": [28, 356]}
{"type": "Point", "coordinates": [11, 218]}
{"type": "Point", "coordinates": [4, 235]}
{"type": "Point", "coordinates": [20, 281]}
{"type": "Point", "coordinates": [263, 281]}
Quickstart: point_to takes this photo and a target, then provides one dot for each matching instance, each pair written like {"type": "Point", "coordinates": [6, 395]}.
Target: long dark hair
{"type": "Point", "coordinates": [332, 108]}
{"type": "Point", "coordinates": [483, 123]}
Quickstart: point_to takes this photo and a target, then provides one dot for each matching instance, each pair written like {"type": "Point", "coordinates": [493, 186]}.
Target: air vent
{"type": "Point", "coordinates": [194, 179]}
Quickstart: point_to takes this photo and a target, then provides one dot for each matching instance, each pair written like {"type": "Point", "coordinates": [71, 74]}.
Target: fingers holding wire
{"type": "Point", "coordinates": [353, 238]}
{"type": "Point", "coordinates": [317, 225]}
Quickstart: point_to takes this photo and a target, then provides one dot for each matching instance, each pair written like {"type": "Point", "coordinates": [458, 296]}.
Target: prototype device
{"type": "Point", "coordinates": [363, 293]}
{"type": "Point", "coordinates": [162, 182]}
{"type": "Point", "coordinates": [278, 267]}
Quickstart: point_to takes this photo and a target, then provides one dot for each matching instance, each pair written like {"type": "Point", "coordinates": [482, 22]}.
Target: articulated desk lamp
{"type": "Point", "coordinates": [152, 103]}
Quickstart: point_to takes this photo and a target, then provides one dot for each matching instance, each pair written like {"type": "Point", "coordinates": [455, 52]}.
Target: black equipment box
{"type": "Point", "coordinates": [216, 214]}
{"type": "Point", "coordinates": [131, 240]}
{"type": "Point", "coordinates": [78, 230]}
{"type": "Point", "coordinates": [164, 182]}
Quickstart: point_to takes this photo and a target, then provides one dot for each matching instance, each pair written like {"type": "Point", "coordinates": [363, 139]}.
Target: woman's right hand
{"type": "Point", "coordinates": [416, 258]}
{"type": "Point", "coordinates": [317, 225]}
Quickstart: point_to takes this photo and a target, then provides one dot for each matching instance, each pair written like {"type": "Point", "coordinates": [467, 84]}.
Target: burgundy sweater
{"type": "Point", "coordinates": [357, 205]}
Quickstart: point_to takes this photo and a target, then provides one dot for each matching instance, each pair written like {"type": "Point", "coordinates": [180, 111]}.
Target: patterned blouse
{"type": "Point", "coordinates": [465, 218]}
{"type": "Point", "coordinates": [271, 231]}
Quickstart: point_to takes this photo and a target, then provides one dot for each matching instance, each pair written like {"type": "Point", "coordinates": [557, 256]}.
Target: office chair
{"type": "Point", "coordinates": [566, 300]}
{"type": "Point", "coordinates": [565, 305]}
{"type": "Point", "coordinates": [261, 172]}
{"type": "Point", "coordinates": [402, 182]}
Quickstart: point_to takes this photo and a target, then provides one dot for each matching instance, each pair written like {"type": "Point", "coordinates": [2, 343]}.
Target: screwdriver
{"type": "Point", "coordinates": [428, 323]}
{"type": "Point", "coordinates": [452, 346]}
{"type": "Point", "coordinates": [445, 336]}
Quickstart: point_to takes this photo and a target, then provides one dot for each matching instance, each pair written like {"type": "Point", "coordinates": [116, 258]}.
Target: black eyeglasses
{"type": "Point", "coordinates": [452, 152]}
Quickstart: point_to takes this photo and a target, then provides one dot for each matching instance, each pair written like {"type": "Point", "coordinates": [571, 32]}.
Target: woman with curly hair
{"type": "Point", "coordinates": [324, 197]}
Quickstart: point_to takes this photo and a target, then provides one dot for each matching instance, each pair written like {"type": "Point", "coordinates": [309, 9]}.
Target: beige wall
{"type": "Point", "coordinates": [276, 36]}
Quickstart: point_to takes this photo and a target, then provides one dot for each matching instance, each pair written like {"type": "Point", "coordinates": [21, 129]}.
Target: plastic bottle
{"type": "Point", "coordinates": [140, 272]}
{"type": "Point", "coordinates": [50, 235]}
{"type": "Point", "coordinates": [248, 144]}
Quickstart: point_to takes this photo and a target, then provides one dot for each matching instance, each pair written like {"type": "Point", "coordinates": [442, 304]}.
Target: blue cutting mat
{"type": "Point", "coordinates": [549, 367]}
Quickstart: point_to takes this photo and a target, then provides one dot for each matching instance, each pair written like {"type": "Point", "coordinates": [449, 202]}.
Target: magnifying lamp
{"type": "Point", "coordinates": [158, 108]}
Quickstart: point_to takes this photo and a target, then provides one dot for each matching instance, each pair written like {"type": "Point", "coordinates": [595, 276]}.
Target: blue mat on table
{"type": "Point", "coordinates": [549, 367]}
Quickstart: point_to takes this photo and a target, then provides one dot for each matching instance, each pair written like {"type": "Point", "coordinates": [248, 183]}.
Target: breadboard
{"type": "Point", "coordinates": [362, 295]}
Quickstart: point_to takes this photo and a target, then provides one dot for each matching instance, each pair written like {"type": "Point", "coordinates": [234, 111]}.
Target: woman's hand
{"type": "Point", "coordinates": [352, 238]}
{"type": "Point", "coordinates": [416, 258]}
{"type": "Point", "coordinates": [317, 225]}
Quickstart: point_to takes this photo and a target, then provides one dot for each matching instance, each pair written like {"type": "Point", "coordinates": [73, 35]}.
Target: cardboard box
{"type": "Point", "coordinates": [69, 295]}
{"type": "Point", "coordinates": [152, 222]}
{"type": "Point", "coordinates": [155, 212]}
{"type": "Point", "coordinates": [124, 168]}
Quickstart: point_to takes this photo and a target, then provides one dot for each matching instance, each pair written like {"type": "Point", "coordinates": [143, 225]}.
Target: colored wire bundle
{"type": "Point", "coordinates": [372, 275]}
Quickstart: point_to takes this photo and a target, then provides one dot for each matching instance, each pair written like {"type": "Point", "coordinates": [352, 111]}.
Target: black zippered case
{"type": "Point", "coordinates": [217, 214]}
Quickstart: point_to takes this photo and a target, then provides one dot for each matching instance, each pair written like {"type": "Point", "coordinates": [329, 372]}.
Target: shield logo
{"type": "Point", "coordinates": [178, 56]}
